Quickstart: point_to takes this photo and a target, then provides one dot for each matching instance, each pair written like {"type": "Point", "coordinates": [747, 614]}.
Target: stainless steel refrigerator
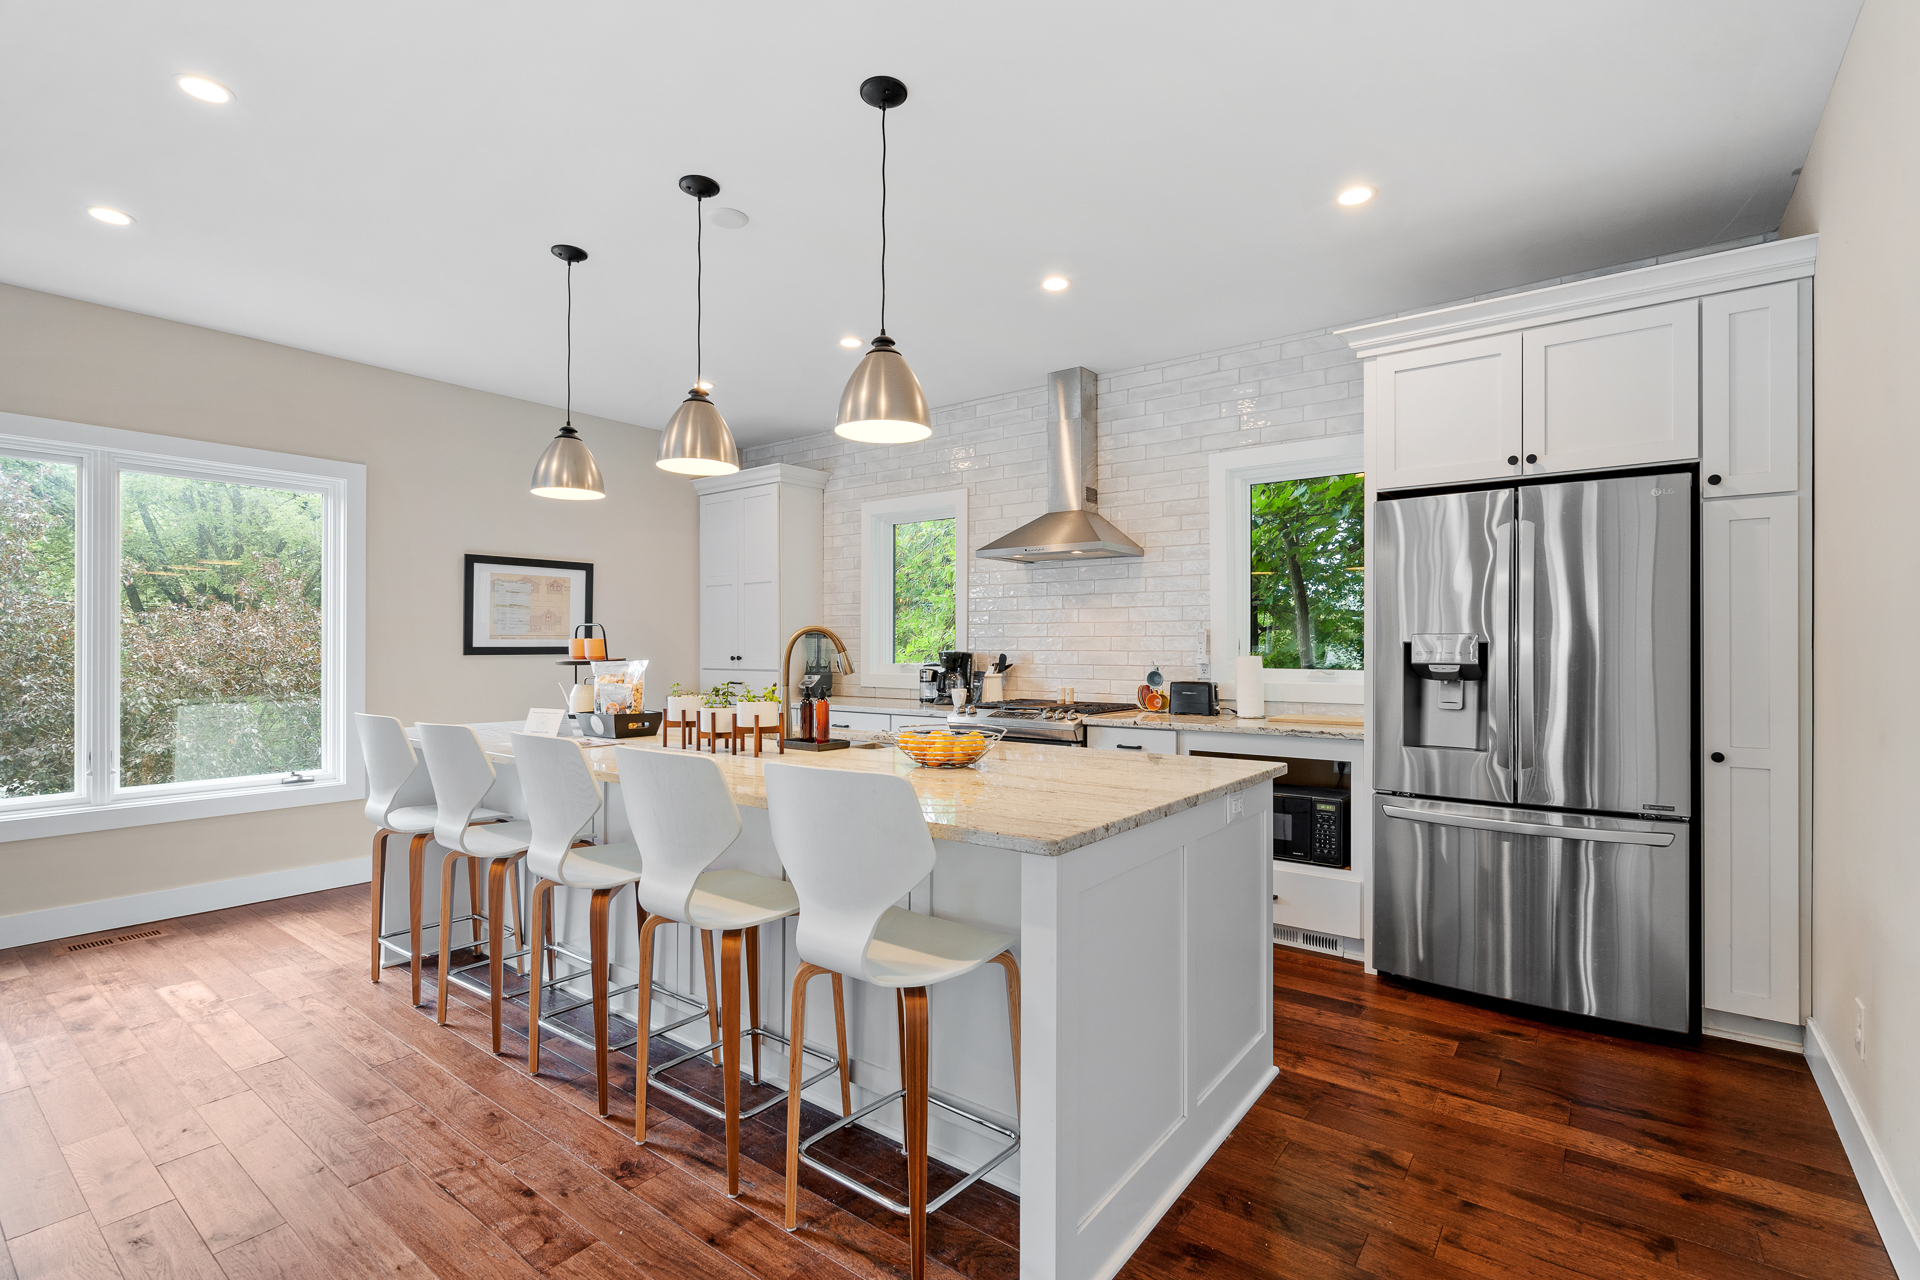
{"type": "Point", "coordinates": [1531, 738]}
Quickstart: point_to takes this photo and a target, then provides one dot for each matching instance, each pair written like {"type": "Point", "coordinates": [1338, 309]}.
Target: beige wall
{"type": "Point", "coordinates": [447, 474]}
{"type": "Point", "coordinates": [1860, 190]}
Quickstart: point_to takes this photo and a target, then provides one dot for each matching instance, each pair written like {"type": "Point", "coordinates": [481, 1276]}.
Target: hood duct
{"type": "Point", "coordinates": [1071, 529]}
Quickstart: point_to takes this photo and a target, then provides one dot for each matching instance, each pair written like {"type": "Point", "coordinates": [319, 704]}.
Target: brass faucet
{"type": "Point", "coordinates": [786, 657]}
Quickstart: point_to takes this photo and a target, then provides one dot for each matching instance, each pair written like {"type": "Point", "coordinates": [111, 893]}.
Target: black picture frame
{"type": "Point", "coordinates": [474, 562]}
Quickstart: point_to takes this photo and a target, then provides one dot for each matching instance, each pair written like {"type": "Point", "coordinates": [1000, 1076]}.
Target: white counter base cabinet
{"type": "Point", "coordinates": [761, 562]}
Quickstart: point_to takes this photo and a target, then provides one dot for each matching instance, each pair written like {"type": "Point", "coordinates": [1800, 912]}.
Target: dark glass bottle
{"type": "Point", "coordinates": [806, 720]}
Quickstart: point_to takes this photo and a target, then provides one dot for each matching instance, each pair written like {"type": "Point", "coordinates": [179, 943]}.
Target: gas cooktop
{"type": "Point", "coordinates": [1037, 719]}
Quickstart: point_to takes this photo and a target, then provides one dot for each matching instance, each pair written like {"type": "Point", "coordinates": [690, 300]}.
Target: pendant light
{"type": "Point", "coordinates": [696, 441]}
{"type": "Point", "coordinates": [567, 469]}
{"type": "Point", "coordinates": [883, 403]}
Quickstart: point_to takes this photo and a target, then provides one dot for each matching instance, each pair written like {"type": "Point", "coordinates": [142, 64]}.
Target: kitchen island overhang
{"type": "Point", "coordinates": [1138, 887]}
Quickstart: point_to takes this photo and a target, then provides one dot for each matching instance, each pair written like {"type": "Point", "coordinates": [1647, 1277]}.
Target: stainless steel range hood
{"type": "Point", "coordinates": [1071, 529]}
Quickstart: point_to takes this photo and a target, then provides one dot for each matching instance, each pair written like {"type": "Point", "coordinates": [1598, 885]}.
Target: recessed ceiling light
{"type": "Point", "coordinates": [1357, 195]}
{"type": "Point", "coordinates": [1054, 284]}
{"type": "Point", "coordinates": [204, 89]}
{"type": "Point", "coordinates": [849, 342]}
{"type": "Point", "coordinates": [112, 217]}
{"type": "Point", "coordinates": [731, 219]}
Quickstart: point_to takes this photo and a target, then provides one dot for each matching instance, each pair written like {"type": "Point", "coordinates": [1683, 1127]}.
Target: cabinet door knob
{"type": "Point", "coordinates": [1718, 757]}
{"type": "Point", "coordinates": [1533, 457]}
{"type": "Point", "coordinates": [1713, 479]}
{"type": "Point", "coordinates": [1513, 459]}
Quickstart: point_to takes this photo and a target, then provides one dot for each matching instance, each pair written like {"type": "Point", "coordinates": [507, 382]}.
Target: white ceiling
{"type": "Point", "coordinates": [388, 178]}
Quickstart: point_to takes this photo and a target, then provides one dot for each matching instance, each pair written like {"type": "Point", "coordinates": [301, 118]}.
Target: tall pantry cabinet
{"type": "Point", "coordinates": [1705, 361]}
{"type": "Point", "coordinates": [762, 553]}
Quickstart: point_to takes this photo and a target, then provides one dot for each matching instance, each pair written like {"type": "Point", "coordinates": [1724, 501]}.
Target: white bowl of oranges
{"type": "Point", "coordinates": [939, 748]}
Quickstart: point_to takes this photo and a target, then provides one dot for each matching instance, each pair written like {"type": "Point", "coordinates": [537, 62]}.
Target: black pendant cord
{"type": "Point", "coordinates": [883, 222]}
{"type": "Point", "coordinates": [569, 346]}
{"type": "Point", "coordinates": [699, 288]}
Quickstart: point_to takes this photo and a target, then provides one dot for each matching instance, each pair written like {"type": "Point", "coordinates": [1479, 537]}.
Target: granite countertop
{"type": "Point", "coordinates": [1028, 797]}
{"type": "Point", "coordinates": [1353, 727]}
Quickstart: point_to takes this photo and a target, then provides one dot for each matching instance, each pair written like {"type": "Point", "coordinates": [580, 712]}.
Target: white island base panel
{"type": "Point", "coordinates": [1147, 1020]}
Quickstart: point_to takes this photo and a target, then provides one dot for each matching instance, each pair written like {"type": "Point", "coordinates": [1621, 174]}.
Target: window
{"type": "Point", "coordinates": [180, 628]}
{"type": "Point", "coordinates": [1306, 557]}
{"type": "Point", "coordinates": [914, 607]}
{"type": "Point", "coordinates": [1288, 551]}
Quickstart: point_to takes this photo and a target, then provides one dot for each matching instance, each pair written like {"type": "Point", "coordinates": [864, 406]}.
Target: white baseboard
{"type": "Point", "coordinates": [165, 904]}
{"type": "Point", "coordinates": [1750, 1030]}
{"type": "Point", "coordinates": [1899, 1231]}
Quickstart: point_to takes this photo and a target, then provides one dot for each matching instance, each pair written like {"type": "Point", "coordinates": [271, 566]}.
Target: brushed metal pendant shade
{"type": "Point", "coordinates": [566, 469]}
{"type": "Point", "coordinates": [697, 441]}
{"type": "Point", "coordinates": [883, 403]}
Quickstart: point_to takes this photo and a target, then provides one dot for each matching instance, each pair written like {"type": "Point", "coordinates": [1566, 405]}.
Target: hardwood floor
{"type": "Point", "coordinates": [231, 1099]}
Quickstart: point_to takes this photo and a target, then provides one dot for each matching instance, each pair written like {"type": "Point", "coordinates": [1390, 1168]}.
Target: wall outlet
{"type": "Point", "coordinates": [1860, 1028]}
{"type": "Point", "coordinates": [1206, 669]}
{"type": "Point", "coordinates": [1237, 805]}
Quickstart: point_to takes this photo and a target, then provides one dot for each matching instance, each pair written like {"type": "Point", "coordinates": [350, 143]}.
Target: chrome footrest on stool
{"type": "Point", "coordinates": [719, 1113]}
{"type": "Point", "coordinates": [934, 1204]}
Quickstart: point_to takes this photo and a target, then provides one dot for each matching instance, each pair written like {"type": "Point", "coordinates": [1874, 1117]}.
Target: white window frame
{"type": "Point", "coordinates": [877, 519]}
{"type": "Point", "coordinates": [101, 453]}
{"type": "Point", "coordinates": [1231, 475]}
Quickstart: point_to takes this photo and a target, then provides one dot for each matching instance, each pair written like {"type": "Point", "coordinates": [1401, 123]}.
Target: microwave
{"type": "Point", "coordinates": [1310, 825]}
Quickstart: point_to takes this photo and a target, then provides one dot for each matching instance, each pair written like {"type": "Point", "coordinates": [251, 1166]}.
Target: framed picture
{"type": "Point", "coordinates": [518, 606]}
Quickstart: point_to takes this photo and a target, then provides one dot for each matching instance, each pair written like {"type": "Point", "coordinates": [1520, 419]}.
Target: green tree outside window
{"type": "Point", "coordinates": [923, 600]}
{"type": "Point", "coordinates": [1307, 557]}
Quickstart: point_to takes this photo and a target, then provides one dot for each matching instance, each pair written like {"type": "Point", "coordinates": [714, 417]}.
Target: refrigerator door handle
{"type": "Point", "coordinates": [1524, 729]}
{"type": "Point", "coordinates": [1499, 657]}
{"type": "Point", "coordinates": [1599, 835]}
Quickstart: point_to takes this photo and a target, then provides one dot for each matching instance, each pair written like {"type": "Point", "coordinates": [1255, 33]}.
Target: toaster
{"type": "Point", "coordinates": [1195, 698]}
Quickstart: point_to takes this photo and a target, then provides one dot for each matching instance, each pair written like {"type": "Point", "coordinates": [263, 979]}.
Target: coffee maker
{"type": "Point", "coordinates": [930, 684]}
{"type": "Point", "coordinates": [956, 672]}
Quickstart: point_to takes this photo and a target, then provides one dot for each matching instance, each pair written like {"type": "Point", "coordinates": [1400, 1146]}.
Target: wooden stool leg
{"type": "Point", "coordinates": [416, 890]}
{"type": "Point", "coordinates": [440, 982]}
{"type": "Point", "coordinates": [840, 1038]}
{"type": "Point", "coordinates": [597, 949]}
{"type": "Point", "coordinates": [497, 871]}
{"type": "Point", "coordinates": [519, 922]}
{"type": "Point", "coordinates": [541, 905]}
{"type": "Point", "coordinates": [474, 902]}
{"type": "Point", "coordinates": [730, 1051]}
{"type": "Point", "coordinates": [796, 1028]}
{"type": "Point", "coordinates": [645, 1022]}
{"type": "Point", "coordinates": [379, 867]}
{"type": "Point", "coordinates": [753, 994]}
{"type": "Point", "coordinates": [1006, 961]}
{"type": "Point", "coordinates": [713, 995]}
{"type": "Point", "coordinates": [914, 1001]}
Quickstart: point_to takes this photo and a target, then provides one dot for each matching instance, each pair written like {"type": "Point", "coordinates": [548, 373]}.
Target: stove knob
{"type": "Point", "coordinates": [1071, 717]}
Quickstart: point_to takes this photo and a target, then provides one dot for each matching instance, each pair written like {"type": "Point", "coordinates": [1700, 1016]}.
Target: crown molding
{"type": "Point", "coordinates": [771, 473]}
{"type": "Point", "coordinates": [1642, 287]}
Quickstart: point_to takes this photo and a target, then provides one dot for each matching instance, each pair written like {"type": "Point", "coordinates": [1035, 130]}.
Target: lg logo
{"type": "Point", "coordinates": [1657, 492]}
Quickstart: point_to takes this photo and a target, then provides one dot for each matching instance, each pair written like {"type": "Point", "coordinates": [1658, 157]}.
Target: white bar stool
{"type": "Point", "coordinates": [684, 819]}
{"type": "Point", "coordinates": [462, 775]}
{"type": "Point", "coordinates": [562, 799]}
{"type": "Point", "coordinates": [853, 844]}
{"type": "Point", "coordinates": [400, 802]}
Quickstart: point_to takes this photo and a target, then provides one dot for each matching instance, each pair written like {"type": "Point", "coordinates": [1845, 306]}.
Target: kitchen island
{"type": "Point", "coordinates": [1138, 890]}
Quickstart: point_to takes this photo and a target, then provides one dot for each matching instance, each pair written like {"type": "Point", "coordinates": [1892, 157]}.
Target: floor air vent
{"type": "Point", "coordinates": [94, 944]}
{"type": "Point", "coordinates": [1310, 941]}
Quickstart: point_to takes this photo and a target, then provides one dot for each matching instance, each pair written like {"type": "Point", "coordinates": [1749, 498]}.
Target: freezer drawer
{"type": "Point", "coordinates": [1586, 914]}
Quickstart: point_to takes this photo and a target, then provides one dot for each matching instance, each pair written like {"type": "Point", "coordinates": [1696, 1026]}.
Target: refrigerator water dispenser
{"type": "Point", "coordinates": [1446, 679]}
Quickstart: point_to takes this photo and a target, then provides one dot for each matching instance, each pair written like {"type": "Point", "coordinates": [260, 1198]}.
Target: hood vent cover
{"type": "Point", "coordinates": [1071, 529]}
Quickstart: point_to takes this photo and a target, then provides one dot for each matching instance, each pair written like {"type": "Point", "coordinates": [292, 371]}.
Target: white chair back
{"type": "Point", "coordinates": [396, 777]}
{"type": "Point", "coordinates": [683, 819]}
{"type": "Point", "coordinates": [462, 776]}
{"type": "Point", "coordinates": [561, 800]}
{"type": "Point", "coordinates": [853, 844]}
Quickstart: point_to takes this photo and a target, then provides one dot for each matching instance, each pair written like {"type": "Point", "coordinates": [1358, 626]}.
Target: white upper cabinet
{"type": "Point", "coordinates": [761, 562]}
{"type": "Point", "coordinates": [1752, 385]}
{"type": "Point", "coordinates": [1750, 733]}
{"type": "Point", "coordinates": [1615, 390]}
{"type": "Point", "coordinates": [1446, 414]}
